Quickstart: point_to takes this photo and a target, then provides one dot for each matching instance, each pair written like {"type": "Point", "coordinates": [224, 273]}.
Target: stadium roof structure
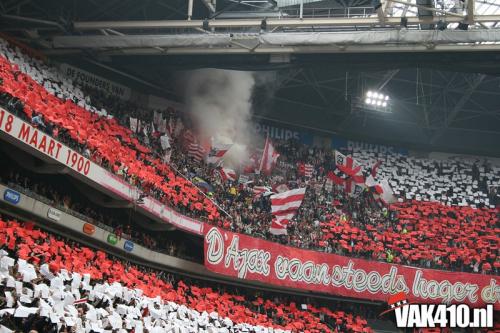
{"type": "Point", "coordinates": [436, 59]}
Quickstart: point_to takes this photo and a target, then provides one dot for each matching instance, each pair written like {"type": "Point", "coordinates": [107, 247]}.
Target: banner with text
{"type": "Point", "coordinates": [27, 137]}
{"type": "Point", "coordinates": [250, 258]}
{"type": "Point", "coordinates": [86, 78]}
{"type": "Point", "coordinates": [351, 145]}
{"type": "Point", "coordinates": [280, 133]}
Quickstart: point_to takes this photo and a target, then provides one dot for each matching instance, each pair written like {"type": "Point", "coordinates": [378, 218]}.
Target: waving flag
{"type": "Point", "coordinates": [196, 151]}
{"type": "Point", "coordinates": [279, 227]}
{"type": "Point", "coordinates": [269, 158]}
{"type": "Point", "coordinates": [251, 165]}
{"type": "Point", "coordinates": [165, 142]}
{"type": "Point", "coordinates": [226, 174]}
{"type": "Point", "coordinates": [354, 182]}
{"type": "Point", "coordinates": [383, 192]}
{"type": "Point", "coordinates": [286, 204]}
{"type": "Point", "coordinates": [336, 177]}
{"type": "Point", "coordinates": [262, 191]}
{"type": "Point", "coordinates": [374, 168]}
{"type": "Point", "coordinates": [188, 138]}
{"type": "Point", "coordinates": [348, 165]}
{"type": "Point", "coordinates": [217, 152]}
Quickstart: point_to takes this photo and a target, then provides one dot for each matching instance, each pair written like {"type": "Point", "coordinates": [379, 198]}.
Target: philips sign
{"type": "Point", "coordinates": [12, 196]}
{"type": "Point", "coordinates": [276, 132]}
{"type": "Point", "coordinates": [350, 145]}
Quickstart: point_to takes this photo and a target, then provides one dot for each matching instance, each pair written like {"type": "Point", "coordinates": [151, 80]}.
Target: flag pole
{"type": "Point", "coordinates": [264, 153]}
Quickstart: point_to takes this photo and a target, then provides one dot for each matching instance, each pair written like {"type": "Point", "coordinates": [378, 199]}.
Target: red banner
{"type": "Point", "coordinates": [250, 258]}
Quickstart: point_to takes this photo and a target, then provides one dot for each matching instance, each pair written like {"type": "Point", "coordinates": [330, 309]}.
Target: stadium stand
{"type": "Point", "coordinates": [51, 284]}
{"type": "Point", "coordinates": [68, 199]}
{"type": "Point", "coordinates": [457, 196]}
{"type": "Point", "coordinates": [457, 181]}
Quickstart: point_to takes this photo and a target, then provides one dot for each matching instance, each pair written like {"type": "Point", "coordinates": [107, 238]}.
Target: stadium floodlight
{"type": "Point", "coordinates": [376, 100]}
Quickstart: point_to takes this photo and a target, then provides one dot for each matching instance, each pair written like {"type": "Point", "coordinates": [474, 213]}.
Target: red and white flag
{"type": "Point", "coordinates": [354, 182]}
{"type": "Point", "coordinates": [336, 177]}
{"type": "Point", "coordinates": [227, 174]}
{"type": "Point", "coordinates": [196, 151]}
{"type": "Point", "coordinates": [383, 192]}
{"type": "Point", "coordinates": [269, 158]}
{"type": "Point", "coordinates": [374, 168]}
{"type": "Point", "coordinates": [80, 301]}
{"type": "Point", "coordinates": [279, 227]}
{"type": "Point", "coordinates": [217, 152]}
{"type": "Point", "coordinates": [308, 170]}
{"type": "Point", "coordinates": [286, 204]}
{"type": "Point", "coordinates": [348, 165]}
{"type": "Point", "coordinates": [370, 181]}
{"type": "Point", "coordinates": [251, 165]}
{"type": "Point", "coordinates": [188, 138]}
{"type": "Point", "coordinates": [261, 191]}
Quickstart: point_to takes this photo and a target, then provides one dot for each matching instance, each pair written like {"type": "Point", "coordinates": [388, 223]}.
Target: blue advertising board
{"type": "Point", "coordinates": [128, 246]}
{"type": "Point", "coordinates": [12, 196]}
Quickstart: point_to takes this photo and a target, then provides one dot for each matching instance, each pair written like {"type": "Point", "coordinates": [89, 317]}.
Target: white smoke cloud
{"type": "Point", "coordinates": [220, 105]}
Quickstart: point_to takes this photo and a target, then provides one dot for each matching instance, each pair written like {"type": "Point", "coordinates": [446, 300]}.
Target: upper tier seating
{"type": "Point", "coordinates": [110, 144]}
{"type": "Point", "coordinates": [457, 181]}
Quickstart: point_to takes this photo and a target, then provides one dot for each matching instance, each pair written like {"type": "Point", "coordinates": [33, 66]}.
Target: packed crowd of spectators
{"type": "Point", "coordinates": [87, 124]}
{"type": "Point", "coordinates": [456, 180]}
{"type": "Point", "coordinates": [59, 193]}
{"type": "Point", "coordinates": [51, 284]}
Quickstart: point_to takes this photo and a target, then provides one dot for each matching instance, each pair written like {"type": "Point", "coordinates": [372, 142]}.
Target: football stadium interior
{"type": "Point", "coordinates": [249, 165]}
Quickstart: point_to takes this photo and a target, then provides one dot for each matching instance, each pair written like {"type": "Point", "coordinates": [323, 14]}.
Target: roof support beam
{"type": "Point", "coordinates": [210, 6]}
{"type": "Point", "coordinates": [387, 78]}
{"type": "Point", "coordinates": [476, 81]}
{"type": "Point", "coordinates": [273, 22]}
{"type": "Point", "coordinates": [470, 11]}
{"type": "Point", "coordinates": [435, 10]}
{"type": "Point", "coordinates": [301, 50]}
